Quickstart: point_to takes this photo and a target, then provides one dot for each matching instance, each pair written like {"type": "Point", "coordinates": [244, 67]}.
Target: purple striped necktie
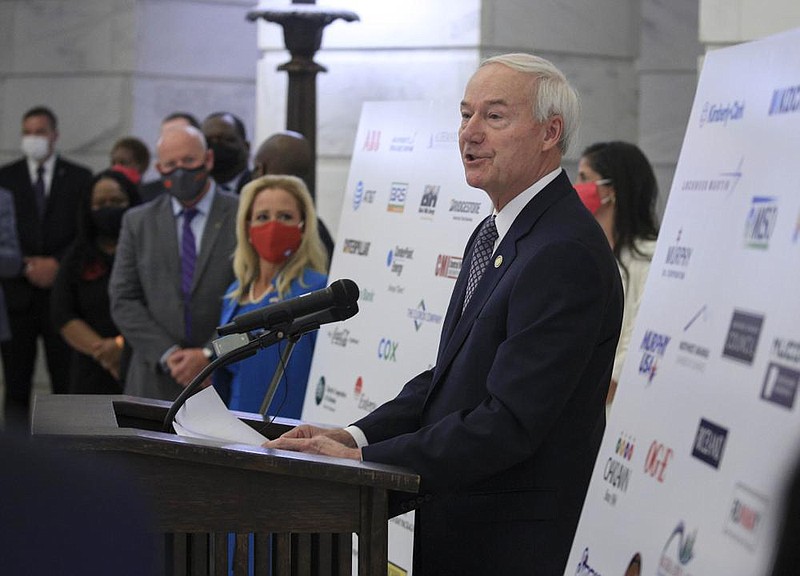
{"type": "Point", "coordinates": [188, 260]}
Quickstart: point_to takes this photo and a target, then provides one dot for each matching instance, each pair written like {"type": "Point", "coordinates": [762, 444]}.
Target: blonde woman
{"type": "Point", "coordinates": [278, 256]}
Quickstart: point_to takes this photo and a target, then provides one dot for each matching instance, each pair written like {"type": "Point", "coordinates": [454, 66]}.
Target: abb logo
{"type": "Point", "coordinates": [657, 458]}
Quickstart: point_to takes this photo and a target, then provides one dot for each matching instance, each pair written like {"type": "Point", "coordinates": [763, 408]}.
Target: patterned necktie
{"type": "Point", "coordinates": [38, 190]}
{"type": "Point", "coordinates": [481, 253]}
{"type": "Point", "coordinates": [188, 259]}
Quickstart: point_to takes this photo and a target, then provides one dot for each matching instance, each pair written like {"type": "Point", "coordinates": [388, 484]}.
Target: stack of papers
{"type": "Point", "coordinates": [205, 416]}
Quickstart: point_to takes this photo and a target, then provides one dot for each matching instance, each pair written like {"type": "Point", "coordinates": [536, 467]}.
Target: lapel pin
{"type": "Point", "coordinates": [498, 261]}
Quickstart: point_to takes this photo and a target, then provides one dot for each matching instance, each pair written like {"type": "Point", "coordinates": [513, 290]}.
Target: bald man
{"type": "Point", "coordinates": [172, 267]}
{"type": "Point", "coordinates": [290, 153]}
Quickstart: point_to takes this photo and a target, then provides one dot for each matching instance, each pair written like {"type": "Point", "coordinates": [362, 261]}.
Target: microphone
{"type": "Point", "coordinates": [331, 304]}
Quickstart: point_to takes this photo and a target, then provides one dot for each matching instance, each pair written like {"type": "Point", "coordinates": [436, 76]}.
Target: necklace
{"type": "Point", "coordinates": [252, 293]}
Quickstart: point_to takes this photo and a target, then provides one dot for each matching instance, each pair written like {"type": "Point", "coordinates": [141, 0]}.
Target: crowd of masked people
{"type": "Point", "coordinates": [125, 280]}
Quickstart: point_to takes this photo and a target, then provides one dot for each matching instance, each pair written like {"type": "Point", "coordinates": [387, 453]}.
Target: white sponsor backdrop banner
{"type": "Point", "coordinates": [705, 425]}
{"type": "Point", "coordinates": [406, 216]}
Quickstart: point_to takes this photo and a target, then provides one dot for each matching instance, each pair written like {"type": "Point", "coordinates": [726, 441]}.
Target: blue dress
{"type": "Point", "coordinates": [244, 384]}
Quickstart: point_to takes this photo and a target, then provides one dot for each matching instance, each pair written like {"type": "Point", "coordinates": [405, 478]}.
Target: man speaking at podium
{"type": "Point", "coordinates": [504, 430]}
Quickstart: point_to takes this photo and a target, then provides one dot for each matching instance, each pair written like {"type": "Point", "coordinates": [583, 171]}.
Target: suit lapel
{"type": "Point", "coordinates": [503, 258]}
{"type": "Point", "coordinates": [165, 229]}
{"type": "Point", "coordinates": [214, 225]}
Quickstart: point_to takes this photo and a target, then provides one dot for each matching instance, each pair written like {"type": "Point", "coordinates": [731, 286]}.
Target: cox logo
{"type": "Point", "coordinates": [387, 350]}
{"type": "Point", "coordinates": [657, 458]}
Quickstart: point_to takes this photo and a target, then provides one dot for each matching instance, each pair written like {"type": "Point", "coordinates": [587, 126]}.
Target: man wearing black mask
{"type": "Point", "coordinates": [172, 269]}
{"type": "Point", "coordinates": [226, 137]}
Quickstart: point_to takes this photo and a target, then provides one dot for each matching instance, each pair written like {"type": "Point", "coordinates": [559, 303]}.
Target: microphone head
{"type": "Point", "coordinates": [345, 292]}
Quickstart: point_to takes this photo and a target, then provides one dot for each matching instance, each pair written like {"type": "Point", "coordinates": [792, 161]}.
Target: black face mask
{"type": "Point", "coordinates": [225, 158]}
{"type": "Point", "coordinates": [185, 184]}
{"type": "Point", "coordinates": [108, 220]}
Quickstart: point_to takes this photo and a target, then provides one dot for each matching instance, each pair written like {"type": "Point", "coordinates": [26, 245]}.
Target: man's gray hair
{"type": "Point", "coordinates": [554, 94]}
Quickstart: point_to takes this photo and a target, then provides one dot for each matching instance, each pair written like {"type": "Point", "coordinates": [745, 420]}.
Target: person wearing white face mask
{"type": "Point", "coordinates": [47, 190]}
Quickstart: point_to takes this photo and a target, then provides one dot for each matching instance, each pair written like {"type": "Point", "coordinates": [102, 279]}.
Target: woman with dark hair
{"type": "Point", "coordinates": [617, 184]}
{"type": "Point", "coordinates": [79, 300]}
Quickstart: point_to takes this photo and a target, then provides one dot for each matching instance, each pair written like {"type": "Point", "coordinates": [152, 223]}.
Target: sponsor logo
{"type": "Point", "coordinates": [362, 195]}
{"type": "Point", "coordinates": [691, 354]}
{"type": "Point", "coordinates": [448, 266]}
{"type": "Point", "coordinates": [796, 235]}
{"type": "Point", "coordinates": [365, 404]}
{"type": "Point", "coordinates": [785, 100]}
{"type": "Point", "coordinates": [709, 443]}
{"type": "Point", "coordinates": [723, 182]}
{"type": "Point", "coordinates": [760, 222]}
{"type": "Point", "coordinates": [443, 139]}
{"type": "Point", "coordinates": [372, 141]}
{"type": "Point", "coordinates": [319, 393]}
{"type": "Point", "coordinates": [405, 522]}
{"type": "Point", "coordinates": [743, 334]}
{"type": "Point", "coordinates": [584, 569]}
{"type": "Point", "coordinates": [357, 247]}
{"type": "Point", "coordinates": [464, 210]}
{"type": "Point", "coordinates": [674, 558]}
{"type": "Point", "coordinates": [780, 385]}
{"type": "Point", "coordinates": [397, 258]}
{"type": "Point", "coordinates": [430, 196]}
{"type": "Point", "coordinates": [678, 259]}
{"type": "Point", "coordinates": [658, 456]}
{"type": "Point", "coordinates": [616, 473]}
{"type": "Point", "coordinates": [387, 350]}
{"type": "Point", "coordinates": [366, 295]}
{"type": "Point", "coordinates": [396, 289]}
{"type": "Point", "coordinates": [398, 193]}
{"type": "Point", "coordinates": [341, 337]}
{"type": "Point", "coordinates": [359, 385]}
{"type": "Point", "coordinates": [722, 113]}
{"type": "Point", "coordinates": [654, 346]}
{"type": "Point", "coordinates": [420, 315]}
{"type": "Point", "coordinates": [745, 516]}
{"type": "Point", "coordinates": [403, 143]}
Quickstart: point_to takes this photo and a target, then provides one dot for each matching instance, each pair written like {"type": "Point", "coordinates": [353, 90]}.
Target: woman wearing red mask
{"type": "Point", "coordinates": [278, 256]}
{"type": "Point", "coordinates": [617, 184]}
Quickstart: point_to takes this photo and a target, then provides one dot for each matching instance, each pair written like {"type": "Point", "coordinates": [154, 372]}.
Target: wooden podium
{"type": "Point", "coordinates": [303, 509]}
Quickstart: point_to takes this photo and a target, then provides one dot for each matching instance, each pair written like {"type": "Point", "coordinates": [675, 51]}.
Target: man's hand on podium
{"type": "Point", "coordinates": [315, 440]}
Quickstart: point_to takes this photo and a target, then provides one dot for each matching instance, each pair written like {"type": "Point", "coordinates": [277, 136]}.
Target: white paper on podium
{"type": "Point", "coordinates": [205, 416]}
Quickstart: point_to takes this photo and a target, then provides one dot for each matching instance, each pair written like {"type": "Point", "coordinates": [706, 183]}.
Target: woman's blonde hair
{"type": "Point", "coordinates": [310, 254]}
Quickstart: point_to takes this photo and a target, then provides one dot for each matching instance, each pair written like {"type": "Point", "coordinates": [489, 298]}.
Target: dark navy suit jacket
{"type": "Point", "coordinates": [504, 430]}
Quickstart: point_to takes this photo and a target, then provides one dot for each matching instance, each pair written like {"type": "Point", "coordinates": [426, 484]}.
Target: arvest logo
{"type": "Point", "coordinates": [654, 346]}
{"type": "Point", "coordinates": [387, 350]}
{"type": "Point", "coordinates": [398, 192]}
{"type": "Point", "coordinates": [760, 222]}
{"type": "Point", "coordinates": [743, 334]}
{"type": "Point", "coordinates": [722, 113]}
{"type": "Point", "coordinates": [430, 196]}
{"type": "Point", "coordinates": [357, 247]}
{"type": "Point", "coordinates": [785, 100]}
{"type": "Point", "coordinates": [448, 266]}
{"type": "Point", "coordinates": [709, 443]}
{"type": "Point", "coordinates": [658, 456]}
{"type": "Point", "coordinates": [372, 141]}
{"type": "Point", "coordinates": [677, 552]}
{"type": "Point", "coordinates": [745, 516]}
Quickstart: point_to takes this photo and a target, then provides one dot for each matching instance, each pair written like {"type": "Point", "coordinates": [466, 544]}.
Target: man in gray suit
{"type": "Point", "coordinates": [172, 267]}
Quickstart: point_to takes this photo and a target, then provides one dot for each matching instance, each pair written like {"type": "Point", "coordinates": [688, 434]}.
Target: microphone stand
{"type": "Point", "coordinates": [262, 341]}
{"type": "Point", "coordinates": [279, 372]}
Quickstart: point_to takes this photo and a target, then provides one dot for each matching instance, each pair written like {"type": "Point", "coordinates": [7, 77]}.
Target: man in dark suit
{"type": "Point", "coordinates": [153, 188]}
{"type": "Point", "coordinates": [227, 138]}
{"type": "Point", "coordinates": [504, 430]}
{"type": "Point", "coordinates": [172, 267]}
{"type": "Point", "coordinates": [47, 191]}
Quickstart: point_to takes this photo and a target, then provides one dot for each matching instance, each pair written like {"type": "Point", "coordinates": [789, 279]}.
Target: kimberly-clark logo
{"type": "Point", "coordinates": [398, 192]}
{"type": "Point", "coordinates": [674, 558]}
{"type": "Point", "coordinates": [709, 443]}
{"type": "Point", "coordinates": [722, 113]}
{"type": "Point", "coordinates": [743, 335]}
{"type": "Point", "coordinates": [372, 141]}
{"type": "Point", "coordinates": [362, 195]}
{"type": "Point", "coordinates": [781, 381]}
{"type": "Point", "coordinates": [760, 222]}
{"type": "Point", "coordinates": [427, 206]}
{"type": "Point", "coordinates": [616, 473]}
{"type": "Point", "coordinates": [584, 569]}
{"type": "Point", "coordinates": [357, 247]}
{"type": "Point", "coordinates": [654, 346]}
{"type": "Point", "coordinates": [448, 266]}
{"type": "Point", "coordinates": [397, 258]}
{"type": "Point", "coordinates": [785, 100]}
{"type": "Point", "coordinates": [420, 315]}
{"type": "Point", "coordinates": [746, 516]}
{"type": "Point", "coordinates": [678, 258]}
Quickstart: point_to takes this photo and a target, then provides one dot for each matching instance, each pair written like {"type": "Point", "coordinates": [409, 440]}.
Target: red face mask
{"type": "Point", "coordinates": [590, 196]}
{"type": "Point", "coordinates": [275, 241]}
